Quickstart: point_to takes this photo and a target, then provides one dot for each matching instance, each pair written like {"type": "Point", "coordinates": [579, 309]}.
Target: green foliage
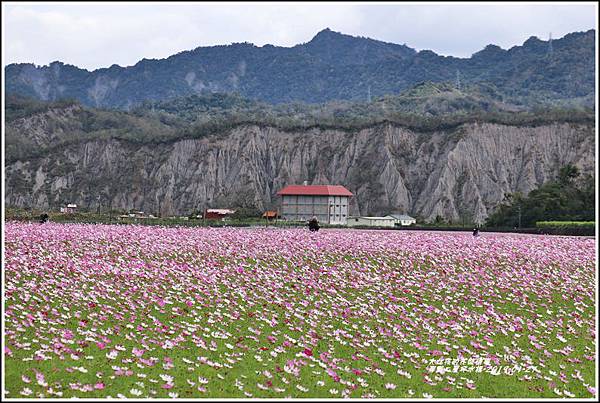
{"type": "Point", "coordinates": [569, 197]}
{"type": "Point", "coordinates": [582, 228]}
{"type": "Point", "coordinates": [18, 106]}
{"type": "Point", "coordinates": [567, 174]}
{"type": "Point", "coordinates": [216, 114]}
{"type": "Point", "coordinates": [246, 212]}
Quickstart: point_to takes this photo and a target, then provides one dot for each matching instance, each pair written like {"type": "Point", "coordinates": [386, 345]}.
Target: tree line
{"type": "Point", "coordinates": [568, 197]}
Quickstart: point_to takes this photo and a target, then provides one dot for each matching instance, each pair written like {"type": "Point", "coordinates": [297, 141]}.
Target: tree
{"type": "Point", "coordinates": [246, 212]}
{"type": "Point", "coordinates": [567, 174]}
{"type": "Point", "coordinates": [565, 198]}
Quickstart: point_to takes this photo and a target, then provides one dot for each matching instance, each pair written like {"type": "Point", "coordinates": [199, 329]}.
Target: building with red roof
{"type": "Point", "coordinates": [218, 214]}
{"type": "Point", "coordinates": [329, 203]}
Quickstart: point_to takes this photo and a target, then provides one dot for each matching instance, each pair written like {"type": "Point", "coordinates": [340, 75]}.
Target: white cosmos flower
{"type": "Point", "coordinates": [166, 378]}
{"type": "Point", "coordinates": [135, 392]}
{"type": "Point", "coordinates": [26, 392]}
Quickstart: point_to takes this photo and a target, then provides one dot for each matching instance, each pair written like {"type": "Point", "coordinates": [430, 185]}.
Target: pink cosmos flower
{"type": "Point", "coordinates": [333, 374]}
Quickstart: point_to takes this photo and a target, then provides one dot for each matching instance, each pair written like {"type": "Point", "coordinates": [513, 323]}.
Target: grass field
{"type": "Point", "coordinates": [138, 311]}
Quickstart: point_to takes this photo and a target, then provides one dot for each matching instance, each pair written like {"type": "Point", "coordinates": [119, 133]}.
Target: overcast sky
{"type": "Point", "coordinates": [98, 35]}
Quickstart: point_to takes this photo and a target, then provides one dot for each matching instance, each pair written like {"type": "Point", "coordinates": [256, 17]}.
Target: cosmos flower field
{"type": "Point", "coordinates": [133, 311]}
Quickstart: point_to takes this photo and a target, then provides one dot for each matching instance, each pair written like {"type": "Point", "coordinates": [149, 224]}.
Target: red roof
{"type": "Point", "coordinates": [315, 190]}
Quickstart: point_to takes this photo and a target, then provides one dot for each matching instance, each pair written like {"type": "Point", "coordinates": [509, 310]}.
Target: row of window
{"type": "Point", "coordinates": [321, 216]}
{"type": "Point", "coordinates": [310, 204]}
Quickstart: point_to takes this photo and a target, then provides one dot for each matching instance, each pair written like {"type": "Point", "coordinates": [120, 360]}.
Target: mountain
{"type": "Point", "coordinates": [459, 166]}
{"type": "Point", "coordinates": [332, 66]}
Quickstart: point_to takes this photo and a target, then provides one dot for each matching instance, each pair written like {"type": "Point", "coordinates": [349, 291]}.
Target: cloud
{"type": "Point", "coordinates": [101, 34]}
{"type": "Point", "coordinates": [461, 30]}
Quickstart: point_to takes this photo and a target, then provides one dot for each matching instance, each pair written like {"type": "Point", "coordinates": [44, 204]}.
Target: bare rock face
{"type": "Point", "coordinates": [462, 173]}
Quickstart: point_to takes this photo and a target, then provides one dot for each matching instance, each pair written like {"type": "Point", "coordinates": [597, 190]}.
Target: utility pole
{"type": "Point", "coordinates": [519, 209]}
{"type": "Point", "coordinates": [369, 94]}
{"type": "Point", "coordinates": [550, 49]}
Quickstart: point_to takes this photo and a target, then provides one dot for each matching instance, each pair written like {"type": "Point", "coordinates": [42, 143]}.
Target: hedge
{"type": "Point", "coordinates": [567, 227]}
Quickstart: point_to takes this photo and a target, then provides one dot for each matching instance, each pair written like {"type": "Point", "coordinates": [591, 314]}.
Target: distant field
{"type": "Point", "coordinates": [141, 311]}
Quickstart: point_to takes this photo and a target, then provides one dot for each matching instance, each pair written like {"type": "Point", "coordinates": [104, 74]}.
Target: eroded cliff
{"type": "Point", "coordinates": [460, 173]}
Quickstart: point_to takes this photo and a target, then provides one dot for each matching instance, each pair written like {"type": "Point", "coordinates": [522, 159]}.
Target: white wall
{"type": "Point", "coordinates": [406, 222]}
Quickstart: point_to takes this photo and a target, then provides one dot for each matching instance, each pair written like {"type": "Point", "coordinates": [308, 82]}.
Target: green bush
{"type": "Point", "coordinates": [567, 227]}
